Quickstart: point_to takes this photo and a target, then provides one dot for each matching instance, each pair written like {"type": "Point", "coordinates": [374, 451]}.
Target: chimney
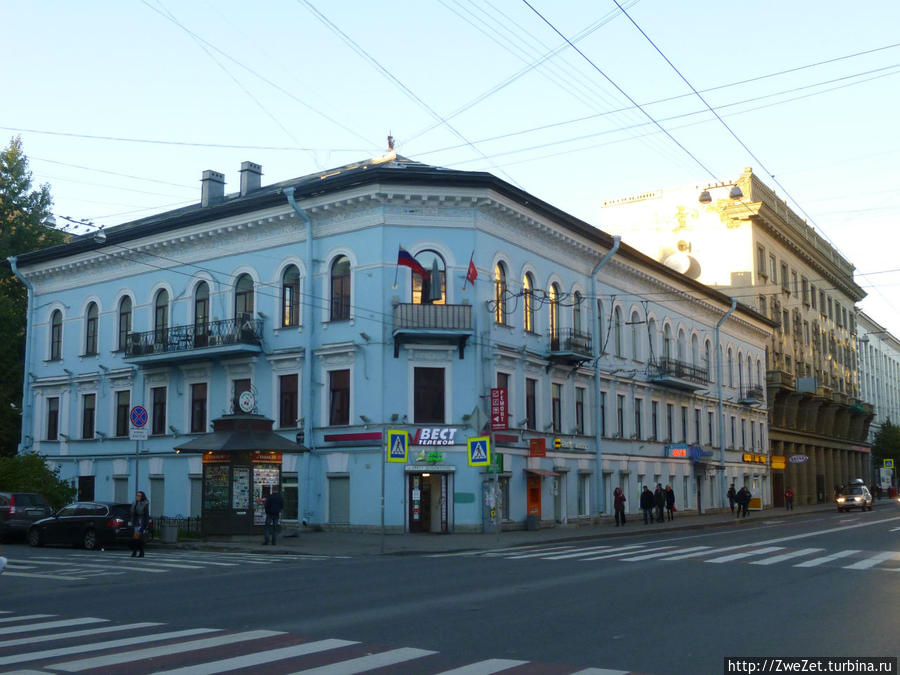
{"type": "Point", "coordinates": [251, 177]}
{"type": "Point", "coordinates": [212, 188]}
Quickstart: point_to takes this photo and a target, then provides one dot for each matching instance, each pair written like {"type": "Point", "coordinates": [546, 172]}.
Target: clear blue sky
{"type": "Point", "coordinates": [302, 86]}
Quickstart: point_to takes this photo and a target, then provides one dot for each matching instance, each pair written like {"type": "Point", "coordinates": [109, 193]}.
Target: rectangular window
{"type": "Point", "coordinates": [785, 322]}
{"type": "Point", "coordinates": [530, 403]}
{"type": "Point", "coordinates": [830, 310]}
{"type": "Point", "coordinates": [238, 387]}
{"type": "Point", "coordinates": [837, 313]}
{"type": "Point", "coordinates": [794, 286]}
{"type": "Point", "coordinates": [804, 290]}
{"type": "Point", "coordinates": [670, 421]}
{"type": "Point", "coordinates": [784, 278]}
{"type": "Point", "coordinates": [428, 395]}
{"type": "Point", "coordinates": [806, 333]}
{"type": "Point", "coordinates": [503, 383]}
{"type": "Point", "coordinates": [733, 432]}
{"type": "Point", "coordinates": [556, 406]}
{"type": "Point", "coordinates": [620, 415]}
{"type": "Point", "coordinates": [773, 269]}
{"type": "Point", "coordinates": [288, 413]}
{"type": "Point", "coordinates": [752, 436]}
{"type": "Point", "coordinates": [743, 434]}
{"type": "Point", "coordinates": [822, 306]}
{"type": "Point", "coordinates": [763, 309]}
{"type": "Point", "coordinates": [654, 419]}
{"type": "Point", "coordinates": [602, 413]}
{"type": "Point", "coordinates": [697, 437]}
{"type": "Point", "coordinates": [339, 397]}
{"type": "Point", "coordinates": [812, 295]}
{"type": "Point", "coordinates": [90, 336]}
{"type": "Point", "coordinates": [88, 404]}
{"type": "Point", "coordinates": [198, 408]}
{"type": "Point", "coordinates": [584, 490]}
{"type": "Point", "coordinates": [684, 424]}
{"type": "Point", "coordinates": [158, 415]}
{"type": "Point", "coordinates": [53, 418]}
{"type": "Point", "coordinates": [579, 410]}
{"type": "Point", "coordinates": [123, 406]}
{"type": "Point", "coordinates": [638, 405]}
{"type": "Point", "coordinates": [761, 261]}
{"type": "Point", "coordinates": [710, 422]}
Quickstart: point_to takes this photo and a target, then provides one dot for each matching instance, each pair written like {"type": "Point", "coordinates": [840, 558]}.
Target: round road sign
{"type": "Point", "coordinates": [139, 416]}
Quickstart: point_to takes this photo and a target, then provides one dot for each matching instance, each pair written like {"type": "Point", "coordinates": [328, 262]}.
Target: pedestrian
{"type": "Point", "coordinates": [789, 499]}
{"type": "Point", "coordinates": [647, 504]}
{"type": "Point", "coordinates": [731, 497]}
{"type": "Point", "coordinates": [140, 521]}
{"type": "Point", "coordinates": [659, 499]}
{"type": "Point", "coordinates": [274, 505]}
{"type": "Point", "coordinates": [743, 500]}
{"type": "Point", "coordinates": [619, 506]}
{"type": "Point", "coordinates": [670, 503]}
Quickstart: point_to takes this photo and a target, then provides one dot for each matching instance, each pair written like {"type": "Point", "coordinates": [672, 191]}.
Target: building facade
{"type": "Point", "coordinates": [382, 298]}
{"type": "Point", "coordinates": [741, 238]}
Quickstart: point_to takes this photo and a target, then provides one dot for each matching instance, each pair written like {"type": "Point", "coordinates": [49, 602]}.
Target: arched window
{"type": "Point", "coordinates": [243, 298]}
{"type": "Point", "coordinates": [554, 314]}
{"type": "Point", "coordinates": [730, 366]}
{"type": "Point", "coordinates": [90, 330]}
{"type": "Point", "coordinates": [340, 289]}
{"type": "Point", "coordinates": [617, 330]}
{"type": "Point", "coordinates": [201, 314]}
{"type": "Point", "coordinates": [635, 336]}
{"type": "Point", "coordinates": [124, 322]}
{"type": "Point", "coordinates": [681, 346]}
{"type": "Point", "coordinates": [695, 351]}
{"type": "Point", "coordinates": [56, 335]}
{"type": "Point", "coordinates": [500, 293]}
{"type": "Point", "coordinates": [759, 381]}
{"type": "Point", "coordinates": [576, 313]}
{"type": "Point", "coordinates": [708, 358]}
{"type": "Point", "coordinates": [740, 372]}
{"type": "Point", "coordinates": [528, 301]}
{"type": "Point", "coordinates": [425, 290]}
{"type": "Point", "coordinates": [161, 316]}
{"type": "Point", "coordinates": [667, 342]}
{"type": "Point", "coordinates": [290, 296]}
{"type": "Point", "coordinates": [651, 340]}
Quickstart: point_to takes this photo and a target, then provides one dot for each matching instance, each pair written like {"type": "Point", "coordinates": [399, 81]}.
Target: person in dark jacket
{"type": "Point", "coordinates": [140, 521]}
{"type": "Point", "coordinates": [670, 503]}
{"type": "Point", "coordinates": [274, 506]}
{"type": "Point", "coordinates": [619, 505]}
{"type": "Point", "coordinates": [743, 500]}
{"type": "Point", "coordinates": [659, 500]}
{"type": "Point", "coordinates": [731, 497]}
{"type": "Point", "coordinates": [647, 504]}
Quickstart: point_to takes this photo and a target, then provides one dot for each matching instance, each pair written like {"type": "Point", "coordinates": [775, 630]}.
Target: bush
{"type": "Point", "coordinates": [30, 473]}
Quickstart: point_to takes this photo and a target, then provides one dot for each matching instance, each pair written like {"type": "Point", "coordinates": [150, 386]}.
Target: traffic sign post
{"type": "Point", "coordinates": [138, 432]}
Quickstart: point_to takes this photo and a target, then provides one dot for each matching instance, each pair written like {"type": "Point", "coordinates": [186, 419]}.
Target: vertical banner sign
{"type": "Point", "coordinates": [479, 451]}
{"type": "Point", "coordinates": [398, 446]}
{"type": "Point", "coordinates": [499, 420]}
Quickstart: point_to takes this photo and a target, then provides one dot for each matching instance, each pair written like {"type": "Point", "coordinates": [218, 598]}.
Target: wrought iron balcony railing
{"type": "Point", "coordinates": [672, 370]}
{"type": "Point", "coordinates": [410, 316]}
{"type": "Point", "coordinates": [239, 331]}
{"type": "Point", "coordinates": [569, 340]}
{"type": "Point", "coordinates": [751, 395]}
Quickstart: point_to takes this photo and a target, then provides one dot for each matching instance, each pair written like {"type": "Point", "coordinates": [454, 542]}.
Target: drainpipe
{"type": "Point", "coordinates": [306, 405]}
{"type": "Point", "coordinates": [719, 397]}
{"type": "Point", "coordinates": [27, 407]}
{"type": "Point", "coordinates": [609, 254]}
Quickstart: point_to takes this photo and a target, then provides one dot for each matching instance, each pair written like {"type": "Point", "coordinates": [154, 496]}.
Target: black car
{"type": "Point", "coordinates": [18, 510]}
{"type": "Point", "coordinates": [88, 524]}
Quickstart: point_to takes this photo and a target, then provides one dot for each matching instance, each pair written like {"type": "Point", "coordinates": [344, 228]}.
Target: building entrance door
{"type": "Point", "coordinates": [777, 489]}
{"type": "Point", "coordinates": [533, 488]}
{"type": "Point", "coordinates": [428, 502]}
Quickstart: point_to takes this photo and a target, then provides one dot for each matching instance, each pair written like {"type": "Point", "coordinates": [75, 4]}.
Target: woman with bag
{"type": "Point", "coordinates": [140, 520]}
{"type": "Point", "coordinates": [619, 505]}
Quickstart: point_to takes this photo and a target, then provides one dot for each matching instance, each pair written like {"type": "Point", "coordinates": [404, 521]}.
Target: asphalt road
{"type": "Point", "coordinates": [826, 584]}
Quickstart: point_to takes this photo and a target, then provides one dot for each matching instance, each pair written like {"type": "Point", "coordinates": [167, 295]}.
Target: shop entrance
{"type": "Point", "coordinates": [778, 489]}
{"type": "Point", "coordinates": [428, 502]}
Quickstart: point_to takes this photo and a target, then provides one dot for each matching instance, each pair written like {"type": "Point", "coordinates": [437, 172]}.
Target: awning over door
{"type": "Point", "coordinates": [541, 472]}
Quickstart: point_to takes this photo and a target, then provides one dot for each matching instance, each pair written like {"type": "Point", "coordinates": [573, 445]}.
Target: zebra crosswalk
{"type": "Point", "coordinates": [42, 643]}
{"type": "Point", "coordinates": [81, 565]}
{"type": "Point", "coordinates": [753, 554]}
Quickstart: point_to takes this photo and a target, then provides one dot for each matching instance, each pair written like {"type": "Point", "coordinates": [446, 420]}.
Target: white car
{"type": "Point", "coordinates": [854, 497]}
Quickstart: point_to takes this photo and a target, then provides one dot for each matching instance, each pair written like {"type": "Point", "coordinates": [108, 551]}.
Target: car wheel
{"type": "Point", "coordinates": [34, 537]}
{"type": "Point", "coordinates": [89, 540]}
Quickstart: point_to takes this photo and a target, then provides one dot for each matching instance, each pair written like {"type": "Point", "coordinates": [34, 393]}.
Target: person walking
{"type": "Point", "coordinates": [659, 499]}
{"type": "Point", "coordinates": [743, 500]}
{"type": "Point", "coordinates": [140, 521]}
{"type": "Point", "coordinates": [670, 503]}
{"type": "Point", "coordinates": [731, 497]}
{"type": "Point", "coordinates": [619, 506]}
{"type": "Point", "coordinates": [789, 499]}
{"type": "Point", "coordinates": [647, 504]}
{"type": "Point", "coordinates": [274, 505]}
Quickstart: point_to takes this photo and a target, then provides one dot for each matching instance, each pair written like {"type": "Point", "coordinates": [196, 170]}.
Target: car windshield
{"type": "Point", "coordinates": [853, 491]}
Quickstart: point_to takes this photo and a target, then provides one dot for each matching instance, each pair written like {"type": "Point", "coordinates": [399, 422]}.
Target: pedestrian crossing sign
{"type": "Point", "coordinates": [479, 451]}
{"type": "Point", "coordinates": [398, 446]}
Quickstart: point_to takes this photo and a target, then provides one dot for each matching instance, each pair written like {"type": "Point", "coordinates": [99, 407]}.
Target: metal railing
{"type": "Point", "coordinates": [195, 336]}
{"type": "Point", "coordinates": [681, 370]}
{"type": "Point", "coordinates": [571, 340]}
{"type": "Point", "coordinates": [410, 316]}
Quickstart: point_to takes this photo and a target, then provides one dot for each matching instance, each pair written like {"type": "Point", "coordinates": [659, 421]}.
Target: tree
{"type": "Point", "coordinates": [30, 473]}
{"type": "Point", "coordinates": [887, 443]}
{"type": "Point", "coordinates": [22, 213]}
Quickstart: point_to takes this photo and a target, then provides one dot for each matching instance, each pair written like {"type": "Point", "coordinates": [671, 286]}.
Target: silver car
{"type": "Point", "coordinates": [854, 497]}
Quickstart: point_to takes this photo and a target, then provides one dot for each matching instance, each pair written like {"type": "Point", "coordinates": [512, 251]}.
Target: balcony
{"type": "Point", "coordinates": [570, 347]}
{"type": "Point", "coordinates": [752, 396]}
{"type": "Point", "coordinates": [432, 323]}
{"type": "Point", "coordinates": [780, 379]}
{"type": "Point", "coordinates": [679, 374]}
{"type": "Point", "coordinates": [195, 341]}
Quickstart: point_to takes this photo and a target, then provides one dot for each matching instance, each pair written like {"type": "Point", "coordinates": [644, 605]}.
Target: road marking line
{"type": "Point", "coordinates": [632, 548]}
{"type": "Point", "coordinates": [109, 567]}
{"type": "Point", "coordinates": [648, 556]}
{"type": "Point", "coordinates": [62, 623]}
{"type": "Point", "coordinates": [815, 562]}
{"type": "Point", "coordinates": [873, 560]}
{"type": "Point", "coordinates": [76, 633]}
{"type": "Point", "coordinates": [486, 667]}
{"type": "Point", "coordinates": [579, 553]}
{"type": "Point", "coordinates": [699, 553]}
{"type": "Point", "coordinates": [787, 556]}
{"type": "Point", "coordinates": [165, 650]}
{"type": "Point", "coordinates": [27, 617]}
{"type": "Point", "coordinates": [258, 658]}
{"type": "Point", "coordinates": [112, 644]}
{"type": "Point", "coordinates": [533, 553]}
{"type": "Point", "coordinates": [36, 575]}
{"type": "Point", "coordinates": [829, 531]}
{"type": "Point", "coordinates": [370, 662]}
{"type": "Point", "coordinates": [744, 554]}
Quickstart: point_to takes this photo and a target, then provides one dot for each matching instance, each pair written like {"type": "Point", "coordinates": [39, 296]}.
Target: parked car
{"type": "Point", "coordinates": [854, 497]}
{"type": "Point", "coordinates": [88, 524]}
{"type": "Point", "coordinates": [18, 510]}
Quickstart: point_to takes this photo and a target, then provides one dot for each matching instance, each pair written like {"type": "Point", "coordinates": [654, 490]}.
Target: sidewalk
{"type": "Point", "coordinates": [331, 543]}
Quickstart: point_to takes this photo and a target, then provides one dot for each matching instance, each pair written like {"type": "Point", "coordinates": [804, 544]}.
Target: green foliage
{"type": "Point", "coordinates": [887, 443]}
{"type": "Point", "coordinates": [30, 473]}
{"type": "Point", "coordinates": [22, 213]}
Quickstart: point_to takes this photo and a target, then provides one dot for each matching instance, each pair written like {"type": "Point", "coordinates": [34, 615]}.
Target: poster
{"type": "Point", "coordinates": [215, 493]}
{"type": "Point", "coordinates": [240, 497]}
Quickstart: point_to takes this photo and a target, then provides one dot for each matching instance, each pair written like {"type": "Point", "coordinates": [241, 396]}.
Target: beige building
{"type": "Point", "coordinates": [744, 240]}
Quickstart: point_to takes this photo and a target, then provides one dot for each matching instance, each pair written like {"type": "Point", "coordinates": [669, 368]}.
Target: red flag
{"type": "Point", "coordinates": [472, 273]}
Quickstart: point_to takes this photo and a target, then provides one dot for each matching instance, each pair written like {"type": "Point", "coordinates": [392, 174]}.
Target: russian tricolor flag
{"type": "Point", "coordinates": [405, 258]}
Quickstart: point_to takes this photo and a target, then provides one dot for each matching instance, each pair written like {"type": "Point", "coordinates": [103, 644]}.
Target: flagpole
{"type": "Point", "coordinates": [397, 268]}
{"type": "Point", "coordinates": [471, 257]}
